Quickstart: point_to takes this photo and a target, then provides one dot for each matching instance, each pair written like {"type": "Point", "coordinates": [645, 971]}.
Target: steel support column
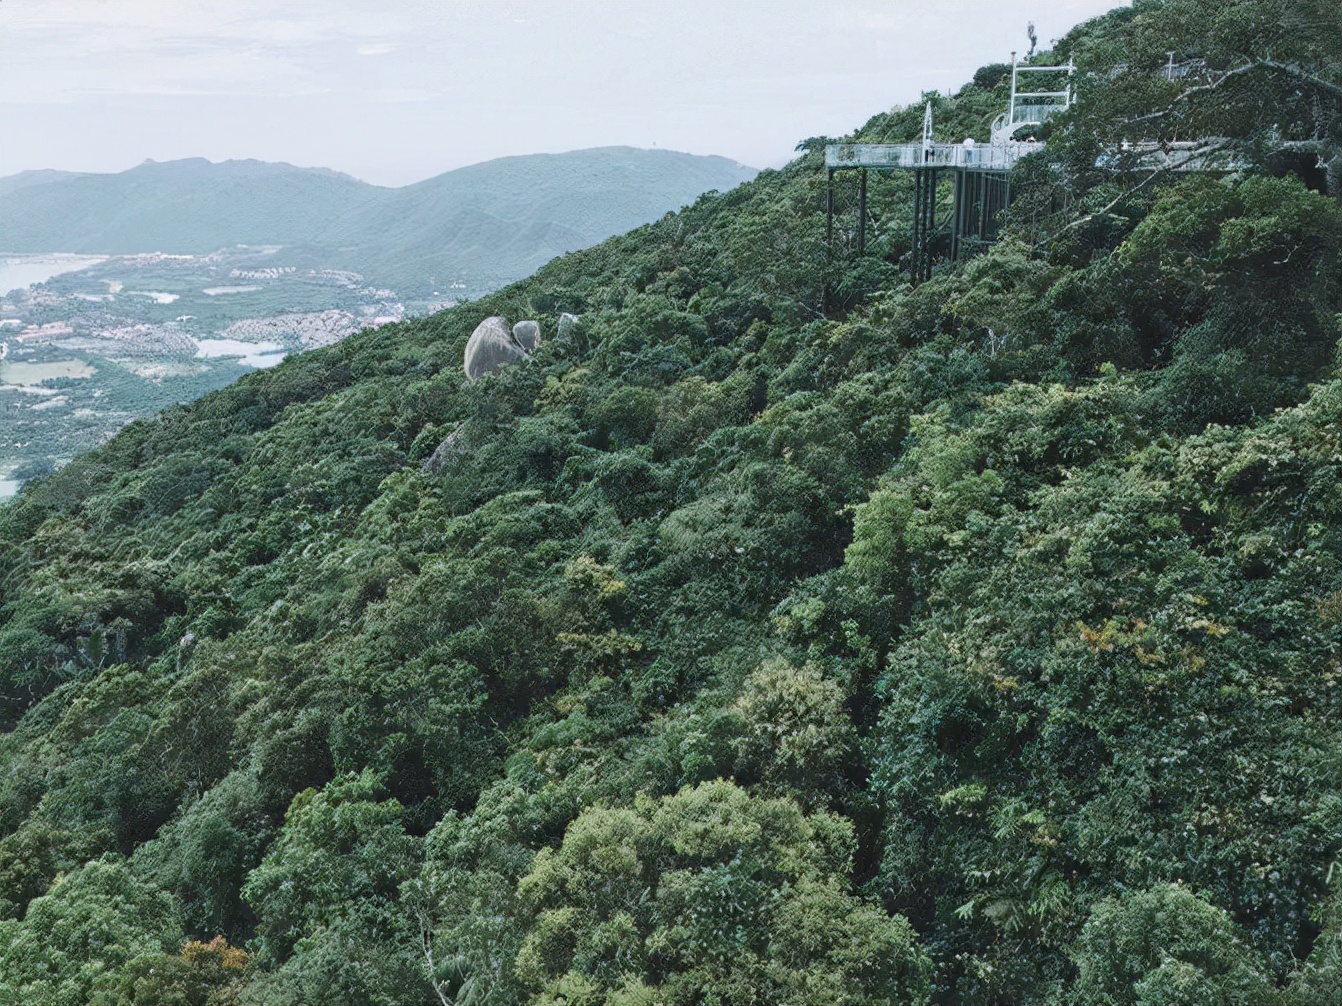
{"type": "Point", "coordinates": [862, 215]}
{"type": "Point", "coordinates": [924, 221]}
{"type": "Point", "coordinates": [829, 208]}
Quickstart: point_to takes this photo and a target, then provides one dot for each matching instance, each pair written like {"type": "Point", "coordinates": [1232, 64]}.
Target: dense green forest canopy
{"type": "Point", "coordinates": [973, 643]}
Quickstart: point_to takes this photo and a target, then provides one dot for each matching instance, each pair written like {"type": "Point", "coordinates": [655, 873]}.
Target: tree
{"type": "Point", "coordinates": [797, 739]}
{"type": "Point", "coordinates": [1165, 946]}
{"type": "Point", "coordinates": [71, 944]}
{"type": "Point", "coordinates": [202, 974]}
{"type": "Point", "coordinates": [711, 895]}
{"type": "Point", "coordinates": [326, 897]}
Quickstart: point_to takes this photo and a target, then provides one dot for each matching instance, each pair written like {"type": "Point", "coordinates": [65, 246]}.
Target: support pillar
{"type": "Point", "coordinates": [862, 215]}
{"type": "Point", "coordinates": [989, 187]}
{"type": "Point", "coordinates": [924, 222]}
{"type": "Point", "coordinates": [916, 249]}
{"type": "Point", "coordinates": [959, 209]}
{"type": "Point", "coordinates": [829, 240]}
{"type": "Point", "coordinates": [829, 208]}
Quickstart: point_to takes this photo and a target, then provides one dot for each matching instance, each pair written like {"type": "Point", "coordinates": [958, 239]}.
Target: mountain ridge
{"type": "Point", "coordinates": [195, 206]}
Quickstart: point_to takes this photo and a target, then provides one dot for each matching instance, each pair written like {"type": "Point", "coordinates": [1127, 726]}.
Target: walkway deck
{"type": "Point", "coordinates": [1208, 154]}
{"type": "Point", "coordinates": [1211, 154]}
{"type": "Point", "coordinates": [913, 156]}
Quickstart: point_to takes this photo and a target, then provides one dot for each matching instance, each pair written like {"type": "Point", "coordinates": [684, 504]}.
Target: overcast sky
{"type": "Point", "coordinates": [393, 91]}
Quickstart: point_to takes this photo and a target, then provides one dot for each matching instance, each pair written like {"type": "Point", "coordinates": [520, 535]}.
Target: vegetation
{"type": "Point", "coordinates": [972, 643]}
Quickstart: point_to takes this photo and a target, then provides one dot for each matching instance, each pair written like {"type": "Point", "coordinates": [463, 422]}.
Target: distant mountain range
{"type": "Point", "coordinates": [491, 223]}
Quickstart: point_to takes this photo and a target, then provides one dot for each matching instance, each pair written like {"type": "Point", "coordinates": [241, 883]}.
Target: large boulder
{"type": "Point", "coordinates": [449, 449]}
{"type": "Point", "coordinates": [491, 347]}
{"type": "Point", "coordinates": [568, 327]}
{"type": "Point", "coordinates": [527, 334]}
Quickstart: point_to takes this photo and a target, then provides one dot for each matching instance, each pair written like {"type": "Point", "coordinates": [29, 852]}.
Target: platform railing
{"type": "Point", "coordinates": [910, 156]}
{"type": "Point", "coordinates": [1211, 154]}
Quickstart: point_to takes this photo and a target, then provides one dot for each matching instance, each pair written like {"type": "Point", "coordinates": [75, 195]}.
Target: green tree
{"type": "Point", "coordinates": [1164, 946]}
{"type": "Point", "coordinates": [202, 974]}
{"type": "Point", "coordinates": [339, 846]}
{"type": "Point", "coordinates": [797, 739]}
{"type": "Point", "coordinates": [72, 942]}
{"type": "Point", "coordinates": [326, 898]}
{"type": "Point", "coordinates": [711, 895]}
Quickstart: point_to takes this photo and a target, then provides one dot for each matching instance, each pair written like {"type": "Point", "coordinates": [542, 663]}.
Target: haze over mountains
{"type": "Point", "coordinates": [492, 222]}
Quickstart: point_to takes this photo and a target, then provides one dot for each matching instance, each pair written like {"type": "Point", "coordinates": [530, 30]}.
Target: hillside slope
{"type": "Point", "coordinates": [499, 220]}
{"type": "Point", "coordinates": [976, 643]}
{"type": "Point", "coordinates": [190, 206]}
{"type": "Point", "coordinates": [41, 176]}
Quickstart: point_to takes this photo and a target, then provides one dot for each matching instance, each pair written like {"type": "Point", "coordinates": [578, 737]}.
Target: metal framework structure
{"type": "Point", "coordinates": [980, 174]}
{"type": "Point", "coordinates": [1209, 154]}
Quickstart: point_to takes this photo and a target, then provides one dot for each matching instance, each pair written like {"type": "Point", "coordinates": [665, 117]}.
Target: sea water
{"type": "Point", "coordinates": [251, 354]}
{"type": "Point", "coordinates": [19, 271]}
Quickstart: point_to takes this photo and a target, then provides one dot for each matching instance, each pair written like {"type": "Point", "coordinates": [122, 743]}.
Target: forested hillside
{"type": "Point", "coordinates": [973, 643]}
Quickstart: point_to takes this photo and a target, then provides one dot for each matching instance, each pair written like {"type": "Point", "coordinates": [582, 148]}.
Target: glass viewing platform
{"type": "Point", "coordinates": [911, 156]}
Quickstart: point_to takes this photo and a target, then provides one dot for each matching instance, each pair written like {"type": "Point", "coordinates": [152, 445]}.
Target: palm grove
{"type": "Point", "coordinates": [978, 642]}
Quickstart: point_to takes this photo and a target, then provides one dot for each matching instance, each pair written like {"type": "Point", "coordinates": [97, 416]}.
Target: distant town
{"type": "Point", "coordinates": [90, 343]}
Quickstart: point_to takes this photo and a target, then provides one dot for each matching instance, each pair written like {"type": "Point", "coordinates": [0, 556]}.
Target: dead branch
{"type": "Point", "coordinates": [1239, 71]}
{"type": "Point", "coordinates": [1129, 193]}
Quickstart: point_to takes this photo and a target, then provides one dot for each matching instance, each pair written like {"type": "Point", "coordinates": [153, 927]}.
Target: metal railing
{"type": "Point", "coordinates": [1212, 154]}
{"type": "Point", "coordinates": [1033, 114]}
{"type": "Point", "coordinates": [908, 156]}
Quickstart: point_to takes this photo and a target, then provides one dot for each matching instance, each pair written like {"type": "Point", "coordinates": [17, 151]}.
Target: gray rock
{"type": "Point", "coordinates": [568, 327]}
{"type": "Point", "coordinates": [491, 347]}
{"type": "Point", "coordinates": [527, 334]}
{"type": "Point", "coordinates": [449, 449]}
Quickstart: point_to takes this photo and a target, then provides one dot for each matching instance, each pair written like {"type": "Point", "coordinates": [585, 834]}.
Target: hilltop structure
{"type": "Point", "coordinates": [981, 174]}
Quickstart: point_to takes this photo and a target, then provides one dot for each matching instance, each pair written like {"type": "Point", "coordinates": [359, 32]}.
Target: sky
{"type": "Point", "coordinates": [395, 91]}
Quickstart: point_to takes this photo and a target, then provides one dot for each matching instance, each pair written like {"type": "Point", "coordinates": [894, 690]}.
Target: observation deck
{"type": "Point", "coordinates": [981, 171]}
{"type": "Point", "coordinates": [910, 156]}
{"type": "Point", "coordinates": [1025, 109]}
